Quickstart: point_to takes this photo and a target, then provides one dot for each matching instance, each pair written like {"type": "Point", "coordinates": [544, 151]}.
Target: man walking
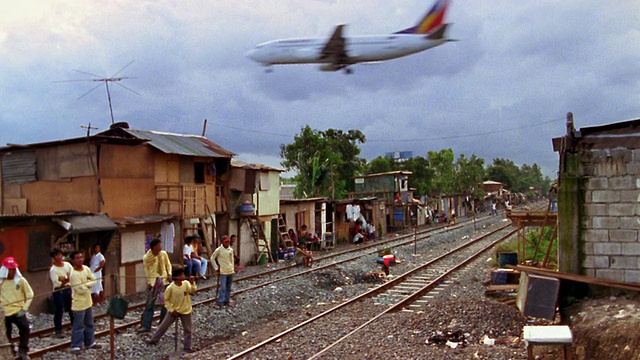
{"type": "Point", "coordinates": [222, 260]}
{"type": "Point", "coordinates": [177, 300]}
{"type": "Point", "coordinates": [81, 281]}
{"type": "Point", "coordinates": [15, 298]}
{"type": "Point", "coordinates": [157, 267]}
{"type": "Point", "coordinates": [59, 275]}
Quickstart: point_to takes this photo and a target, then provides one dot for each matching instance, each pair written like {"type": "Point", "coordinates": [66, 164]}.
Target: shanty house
{"type": "Point", "coordinates": [143, 180]}
{"type": "Point", "coordinates": [254, 210]}
{"type": "Point", "coordinates": [316, 213]}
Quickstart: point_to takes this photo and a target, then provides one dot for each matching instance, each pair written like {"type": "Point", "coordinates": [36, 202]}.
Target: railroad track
{"type": "Point", "coordinates": [209, 291]}
{"type": "Point", "coordinates": [406, 292]}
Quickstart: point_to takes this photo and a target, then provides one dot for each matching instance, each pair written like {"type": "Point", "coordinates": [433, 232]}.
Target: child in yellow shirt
{"type": "Point", "coordinates": [177, 300]}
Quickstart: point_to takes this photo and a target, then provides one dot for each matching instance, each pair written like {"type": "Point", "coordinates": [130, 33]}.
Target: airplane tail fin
{"type": "Point", "coordinates": [431, 22]}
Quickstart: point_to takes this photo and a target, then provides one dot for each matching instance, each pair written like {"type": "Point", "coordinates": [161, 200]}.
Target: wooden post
{"type": "Point", "coordinates": [112, 330]}
{"type": "Point", "coordinates": [5, 344]}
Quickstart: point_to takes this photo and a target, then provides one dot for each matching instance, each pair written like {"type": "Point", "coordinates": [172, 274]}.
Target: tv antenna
{"type": "Point", "coordinates": [106, 81]}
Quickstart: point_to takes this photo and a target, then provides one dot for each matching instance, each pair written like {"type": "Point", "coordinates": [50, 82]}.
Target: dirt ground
{"type": "Point", "coordinates": [606, 328]}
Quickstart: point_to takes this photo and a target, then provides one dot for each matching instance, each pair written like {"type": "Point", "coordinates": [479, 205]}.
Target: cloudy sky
{"type": "Point", "coordinates": [502, 91]}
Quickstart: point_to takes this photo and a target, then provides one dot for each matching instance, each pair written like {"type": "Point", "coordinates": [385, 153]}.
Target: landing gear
{"type": "Point", "coordinates": [347, 71]}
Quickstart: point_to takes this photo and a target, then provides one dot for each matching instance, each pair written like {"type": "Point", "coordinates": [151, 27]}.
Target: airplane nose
{"type": "Point", "coordinates": [251, 54]}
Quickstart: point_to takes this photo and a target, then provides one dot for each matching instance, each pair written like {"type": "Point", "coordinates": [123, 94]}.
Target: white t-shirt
{"type": "Point", "coordinates": [187, 250]}
{"type": "Point", "coordinates": [96, 259]}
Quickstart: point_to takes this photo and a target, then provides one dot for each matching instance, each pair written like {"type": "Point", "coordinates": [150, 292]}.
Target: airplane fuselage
{"type": "Point", "coordinates": [358, 49]}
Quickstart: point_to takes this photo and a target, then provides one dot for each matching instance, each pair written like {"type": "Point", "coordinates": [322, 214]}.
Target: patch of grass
{"type": "Point", "coordinates": [533, 238]}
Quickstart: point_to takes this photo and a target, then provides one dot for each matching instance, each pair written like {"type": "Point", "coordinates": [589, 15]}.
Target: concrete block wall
{"type": "Point", "coordinates": [611, 214]}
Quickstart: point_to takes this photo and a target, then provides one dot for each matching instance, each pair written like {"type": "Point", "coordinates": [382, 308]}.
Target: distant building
{"type": "Point", "coordinates": [399, 156]}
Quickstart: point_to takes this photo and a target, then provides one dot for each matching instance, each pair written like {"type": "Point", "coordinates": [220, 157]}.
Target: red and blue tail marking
{"type": "Point", "coordinates": [431, 21]}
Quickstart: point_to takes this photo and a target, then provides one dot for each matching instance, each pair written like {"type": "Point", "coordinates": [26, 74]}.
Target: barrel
{"type": "Point", "coordinates": [507, 258]}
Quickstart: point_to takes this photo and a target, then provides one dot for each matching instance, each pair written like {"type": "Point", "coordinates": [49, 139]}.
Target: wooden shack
{"type": "Point", "coordinates": [256, 230]}
{"type": "Point", "coordinates": [140, 179]}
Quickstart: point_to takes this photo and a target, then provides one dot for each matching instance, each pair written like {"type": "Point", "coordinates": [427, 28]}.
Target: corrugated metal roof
{"type": "Point", "coordinates": [244, 165]}
{"type": "Point", "coordinates": [191, 145]}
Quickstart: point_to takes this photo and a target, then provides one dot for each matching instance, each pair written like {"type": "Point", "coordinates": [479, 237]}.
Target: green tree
{"type": "Point", "coordinates": [443, 170]}
{"type": "Point", "coordinates": [422, 174]}
{"type": "Point", "coordinates": [381, 164]}
{"type": "Point", "coordinates": [323, 158]}
{"type": "Point", "coordinates": [469, 175]}
{"type": "Point", "coordinates": [504, 171]}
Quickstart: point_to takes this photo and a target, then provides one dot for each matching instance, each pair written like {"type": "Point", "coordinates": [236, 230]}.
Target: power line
{"type": "Point", "coordinates": [407, 140]}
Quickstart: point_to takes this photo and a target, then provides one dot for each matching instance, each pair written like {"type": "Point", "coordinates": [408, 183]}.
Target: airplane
{"type": "Point", "coordinates": [340, 52]}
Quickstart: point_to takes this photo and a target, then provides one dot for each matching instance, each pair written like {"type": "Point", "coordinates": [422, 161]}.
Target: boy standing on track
{"type": "Point", "coordinates": [15, 298]}
{"type": "Point", "coordinates": [81, 281]}
{"type": "Point", "coordinates": [157, 267]}
{"type": "Point", "coordinates": [59, 275]}
{"type": "Point", "coordinates": [177, 300]}
{"type": "Point", "coordinates": [222, 260]}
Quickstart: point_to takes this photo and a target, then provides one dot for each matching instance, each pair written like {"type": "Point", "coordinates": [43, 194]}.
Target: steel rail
{"type": "Point", "coordinates": [413, 297]}
{"type": "Point", "coordinates": [399, 279]}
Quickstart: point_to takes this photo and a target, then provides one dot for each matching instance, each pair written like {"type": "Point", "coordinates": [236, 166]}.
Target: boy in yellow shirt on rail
{"type": "Point", "coordinates": [177, 300]}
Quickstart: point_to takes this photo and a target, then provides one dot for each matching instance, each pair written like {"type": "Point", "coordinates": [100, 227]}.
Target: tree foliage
{"type": "Point", "coordinates": [469, 175]}
{"type": "Point", "coordinates": [323, 158]}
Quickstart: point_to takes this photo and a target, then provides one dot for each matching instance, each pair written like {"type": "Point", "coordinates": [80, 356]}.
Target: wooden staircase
{"type": "Point", "coordinates": [262, 245]}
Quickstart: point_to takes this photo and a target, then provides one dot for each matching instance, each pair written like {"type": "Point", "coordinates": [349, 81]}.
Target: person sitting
{"type": "Point", "coordinates": [293, 237]}
{"type": "Point", "coordinates": [187, 250]}
{"type": "Point", "coordinates": [303, 236]}
{"type": "Point", "coordinates": [198, 261]}
{"type": "Point", "coordinates": [303, 257]}
{"type": "Point", "coordinates": [359, 237]}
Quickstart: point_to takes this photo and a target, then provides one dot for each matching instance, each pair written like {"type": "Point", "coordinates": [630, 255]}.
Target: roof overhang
{"type": "Point", "coordinates": [80, 224]}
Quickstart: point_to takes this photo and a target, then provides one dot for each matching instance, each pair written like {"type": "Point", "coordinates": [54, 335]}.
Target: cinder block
{"type": "Point", "coordinates": [605, 222]}
{"type": "Point", "coordinates": [624, 262]}
{"type": "Point", "coordinates": [622, 183]}
{"type": "Point", "coordinates": [621, 155]}
{"type": "Point", "coordinates": [629, 196]}
{"type": "Point", "coordinates": [610, 169]}
{"type": "Point", "coordinates": [635, 155]}
{"type": "Point", "coordinates": [633, 168]}
{"type": "Point", "coordinates": [605, 196]}
{"type": "Point", "coordinates": [607, 249]}
{"type": "Point", "coordinates": [592, 209]}
{"type": "Point", "coordinates": [622, 209]}
{"type": "Point", "coordinates": [587, 248]}
{"type": "Point", "coordinates": [623, 235]}
{"type": "Point", "coordinates": [631, 249]}
{"type": "Point", "coordinates": [597, 183]}
{"type": "Point", "coordinates": [615, 275]}
{"type": "Point", "coordinates": [632, 276]}
{"type": "Point", "coordinates": [595, 235]}
{"type": "Point", "coordinates": [599, 262]}
{"type": "Point", "coordinates": [630, 222]}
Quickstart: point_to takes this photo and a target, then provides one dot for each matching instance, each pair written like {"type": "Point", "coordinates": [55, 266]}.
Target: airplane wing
{"type": "Point", "coordinates": [334, 50]}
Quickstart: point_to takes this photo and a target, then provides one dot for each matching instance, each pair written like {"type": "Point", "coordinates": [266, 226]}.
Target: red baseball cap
{"type": "Point", "coordinates": [10, 263]}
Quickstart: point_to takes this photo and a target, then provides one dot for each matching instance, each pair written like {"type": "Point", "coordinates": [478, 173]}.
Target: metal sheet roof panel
{"type": "Point", "coordinates": [191, 145]}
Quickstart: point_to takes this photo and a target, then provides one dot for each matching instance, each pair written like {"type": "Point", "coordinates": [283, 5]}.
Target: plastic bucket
{"type": "Point", "coordinates": [507, 258]}
{"type": "Point", "coordinates": [263, 259]}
